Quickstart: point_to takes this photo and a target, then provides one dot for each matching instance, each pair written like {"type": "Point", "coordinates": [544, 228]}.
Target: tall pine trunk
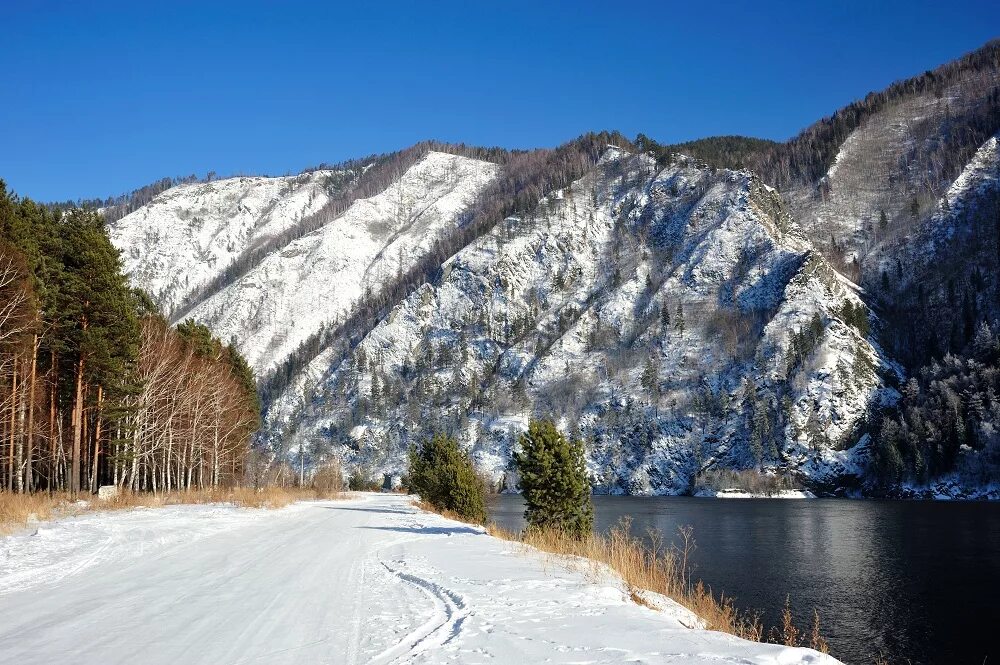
{"type": "Point", "coordinates": [13, 429]}
{"type": "Point", "coordinates": [30, 471]}
{"type": "Point", "coordinates": [53, 454]}
{"type": "Point", "coordinates": [22, 417]}
{"type": "Point", "coordinates": [97, 440]}
{"type": "Point", "coordinates": [74, 481]}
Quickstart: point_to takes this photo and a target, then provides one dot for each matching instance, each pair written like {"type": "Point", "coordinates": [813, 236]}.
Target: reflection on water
{"type": "Point", "coordinates": [914, 580]}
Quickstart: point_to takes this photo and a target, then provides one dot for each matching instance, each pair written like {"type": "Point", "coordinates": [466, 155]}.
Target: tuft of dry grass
{"type": "Point", "coordinates": [17, 510]}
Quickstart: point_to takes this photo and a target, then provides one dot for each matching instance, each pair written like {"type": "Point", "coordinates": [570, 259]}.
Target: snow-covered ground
{"type": "Point", "coordinates": [370, 580]}
{"type": "Point", "coordinates": [741, 494]}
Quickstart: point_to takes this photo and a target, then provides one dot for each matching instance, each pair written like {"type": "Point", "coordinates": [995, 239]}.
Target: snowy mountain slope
{"type": "Point", "coordinates": [867, 176]}
{"type": "Point", "coordinates": [189, 234]}
{"type": "Point", "coordinates": [892, 169]}
{"type": "Point", "coordinates": [656, 307]}
{"type": "Point", "coordinates": [316, 279]}
{"type": "Point", "coordinates": [673, 315]}
{"type": "Point", "coordinates": [943, 274]}
{"type": "Point", "coordinates": [979, 178]}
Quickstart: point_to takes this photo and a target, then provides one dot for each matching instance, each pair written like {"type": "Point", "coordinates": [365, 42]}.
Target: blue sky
{"type": "Point", "coordinates": [97, 98]}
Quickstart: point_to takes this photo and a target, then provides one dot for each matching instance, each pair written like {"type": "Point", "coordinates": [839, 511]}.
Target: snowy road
{"type": "Point", "coordinates": [369, 581]}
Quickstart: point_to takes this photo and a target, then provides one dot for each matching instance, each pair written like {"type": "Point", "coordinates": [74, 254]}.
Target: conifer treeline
{"type": "Point", "coordinates": [949, 411]}
{"type": "Point", "coordinates": [95, 388]}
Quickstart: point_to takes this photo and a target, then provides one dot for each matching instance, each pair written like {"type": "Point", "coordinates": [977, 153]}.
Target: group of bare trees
{"type": "Point", "coordinates": [190, 421]}
{"type": "Point", "coordinates": [185, 420]}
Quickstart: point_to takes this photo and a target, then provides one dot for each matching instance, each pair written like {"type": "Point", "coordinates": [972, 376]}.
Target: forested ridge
{"type": "Point", "coordinates": [95, 387]}
{"type": "Point", "coordinates": [805, 158]}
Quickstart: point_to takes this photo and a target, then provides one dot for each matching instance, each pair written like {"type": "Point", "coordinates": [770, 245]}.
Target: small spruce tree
{"type": "Point", "coordinates": [444, 476]}
{"type": "Point", "coordinates": [554, 480]}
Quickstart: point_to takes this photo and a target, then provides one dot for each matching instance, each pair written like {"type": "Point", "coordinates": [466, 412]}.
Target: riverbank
{"type": "Point", "coordinates": [743, 494]}
{"type": "Point", "coordinates": [371, 579]}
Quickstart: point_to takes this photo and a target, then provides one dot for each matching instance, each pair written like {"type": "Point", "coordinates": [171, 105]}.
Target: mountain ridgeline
{"type": "Point", "coordinates": [822, 310]}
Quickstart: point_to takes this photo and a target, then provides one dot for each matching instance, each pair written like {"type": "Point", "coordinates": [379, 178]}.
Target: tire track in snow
{"type": "Point", "coordinates": [450, 612]}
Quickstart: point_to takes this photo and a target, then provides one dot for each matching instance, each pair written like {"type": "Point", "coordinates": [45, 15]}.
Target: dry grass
{"type": "Point", "coordinates": [17, 510]}
{"type": "Point", "coordinates": [657, 569]}
{"type": "Point", "coordinates": [666, 571]}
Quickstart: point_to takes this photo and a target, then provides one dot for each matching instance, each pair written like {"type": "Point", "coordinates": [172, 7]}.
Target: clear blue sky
{"type": "Point", "coordinates": [99, 97]}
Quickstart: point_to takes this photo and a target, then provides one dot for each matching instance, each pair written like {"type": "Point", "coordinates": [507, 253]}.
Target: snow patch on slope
{"type": "Point", "coordinates": [315, 280]}
{"type": "Point", "coordinates": [189, 234]}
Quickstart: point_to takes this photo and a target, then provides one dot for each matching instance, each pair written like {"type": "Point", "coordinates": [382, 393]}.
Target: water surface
{"type": "Point", "coordinates": [916, 581]}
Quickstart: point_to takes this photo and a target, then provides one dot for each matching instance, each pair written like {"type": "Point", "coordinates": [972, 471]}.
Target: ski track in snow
{"type": "Point", "coordinates": [445, 624]}
{"type": "Point", "coordinates": [370, 580]}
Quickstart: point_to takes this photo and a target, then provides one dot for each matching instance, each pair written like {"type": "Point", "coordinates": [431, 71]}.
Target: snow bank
{"type": "Point", "coordinates": [372, 580]}
{"type": "Point", "coordinates": [740, 494]}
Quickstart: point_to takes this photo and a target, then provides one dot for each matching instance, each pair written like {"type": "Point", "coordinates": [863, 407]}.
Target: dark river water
{"type": "Point", "coordinates": [918, 582]}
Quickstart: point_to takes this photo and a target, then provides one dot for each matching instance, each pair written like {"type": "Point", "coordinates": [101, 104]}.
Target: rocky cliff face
{"type": "Point", "coordinates": [675, 316]}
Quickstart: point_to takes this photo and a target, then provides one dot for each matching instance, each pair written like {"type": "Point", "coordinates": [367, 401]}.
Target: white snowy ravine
{"type": "Point", "coordinates": [190, 234]}
{"type": "Point", "coordinates": [981, 174]}
{"type": "Point", "coordinates": [565, 313]}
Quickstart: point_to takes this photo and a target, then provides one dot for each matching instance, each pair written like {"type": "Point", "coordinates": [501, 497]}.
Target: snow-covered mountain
{"type": "Point", "coordinates": [654, 308]}
{"type": "Point", "coordinates": [189, 235]}
{"type": "Point", "coordinates": [315, 280]}
{"type": "Point", "coordinates": [673, 315]}
{"type": "Point", "coordinates": [681, 318]}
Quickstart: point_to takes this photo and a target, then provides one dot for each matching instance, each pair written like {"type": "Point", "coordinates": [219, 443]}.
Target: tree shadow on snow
{"type": "Point", "coordinates": [390, 511]}
{"type": "Point", "coordinates": [427, 530]}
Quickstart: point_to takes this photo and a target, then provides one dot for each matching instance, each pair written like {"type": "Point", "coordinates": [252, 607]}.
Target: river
{"type": "Point", "coordinates": [912, 581]}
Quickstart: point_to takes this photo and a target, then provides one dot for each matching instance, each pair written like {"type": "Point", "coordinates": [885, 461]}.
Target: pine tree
{"type": "Point", "coordinates": [554, 480]}
{"type": "Point", "coordinates": [443, 475]}
{"type": "Point", "coordinates": [679, 319]}
{"type": "Point", "coordinates": [650, 376]}
{"type": "Point", "coordinates": [99, 319]}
